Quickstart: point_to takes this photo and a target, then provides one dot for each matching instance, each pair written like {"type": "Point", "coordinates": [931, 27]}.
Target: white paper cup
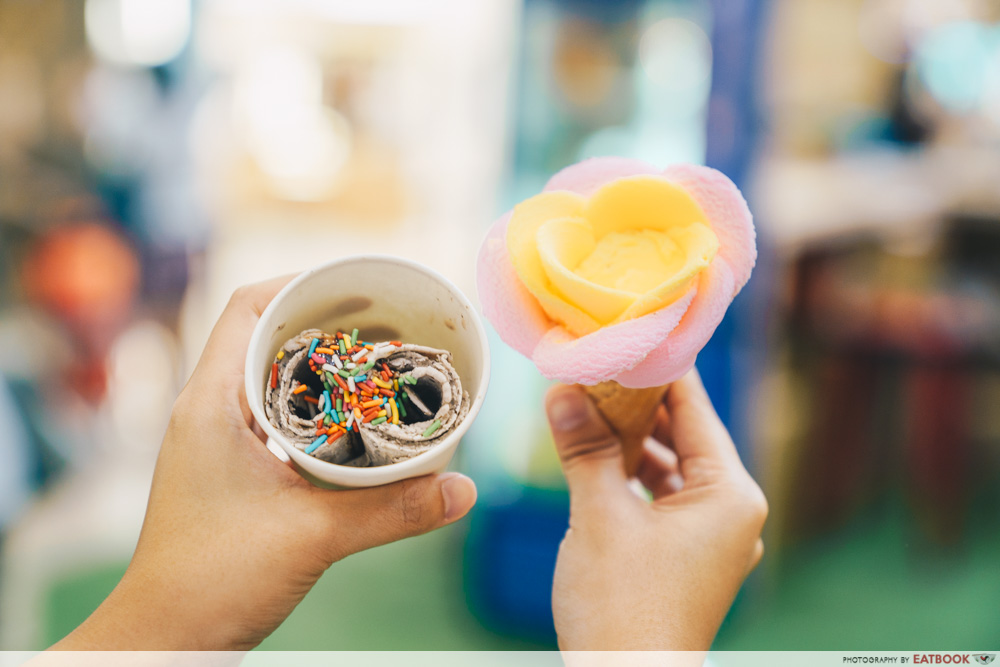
{"type": "Point", "coordinates": [386, 298]}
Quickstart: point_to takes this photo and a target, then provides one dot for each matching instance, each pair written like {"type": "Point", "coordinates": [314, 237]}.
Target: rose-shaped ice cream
{"type": "Point", "coordinates": [617, 270]}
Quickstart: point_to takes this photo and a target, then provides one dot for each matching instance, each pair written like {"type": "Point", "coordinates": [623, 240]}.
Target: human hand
{"type": "Point", "coordinates": [233, 538]}
{"type": "Point", "coordinates": [660, 575]}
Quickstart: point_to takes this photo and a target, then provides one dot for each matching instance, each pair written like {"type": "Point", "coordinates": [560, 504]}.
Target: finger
{"type": "Point", "coordinates": [589, 451]}
{"type": "Point", "coordinates": [665, 457]}
{"type": "Point", "coordinates": [699, 437]}
{"type": "Point", "coordinates": [661, 428]}
{"type": "Point", "coordinates": [220, 369]}
{"type": "Point", "coordinates": [259, 432]}
{"type": "Point", "coordinates": [226, 350]}
{"type": "Point", "coordinates": [366, 518]}
{"type": "Point", "coordinates": [658, 472]}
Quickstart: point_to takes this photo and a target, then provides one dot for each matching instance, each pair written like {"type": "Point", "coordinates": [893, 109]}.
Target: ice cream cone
{"type": "Point", "coordinates": [631, 413]}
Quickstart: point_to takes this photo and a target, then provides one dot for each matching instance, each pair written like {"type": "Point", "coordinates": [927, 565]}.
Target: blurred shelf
{"type": "Point", "coordinates": [895, 194]}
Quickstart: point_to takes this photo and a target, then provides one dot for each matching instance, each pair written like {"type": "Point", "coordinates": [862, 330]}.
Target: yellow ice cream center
{"type": "Point", "coordinates": [635, 246]}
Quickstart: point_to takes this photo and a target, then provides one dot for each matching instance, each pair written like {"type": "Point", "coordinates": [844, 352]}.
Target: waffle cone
{"type": "Point", "coordinates": [631, 413]}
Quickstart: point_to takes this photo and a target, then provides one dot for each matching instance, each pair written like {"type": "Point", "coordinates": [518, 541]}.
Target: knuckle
{"type": "Point", "coordinates": [240, 295]}
{"type": "Point", "coordinates": [321, 520]}
{"type": "Point", "coordinates": [758, 555]}
{"type": "Point", "coordinates": [181, 410]}
{"type": "Point", "coordinates": [180, 406]}
{"type": "Point", "coordinates": [747, 501]}
{"type": "Point", "coordinates": [329, 535]}
{"type": "Point", "coordinates": [756, 503]}
{"type": "Point", "coordinates": [589, 447]}
{"type": "Point", "coordinates": [323, 531]}
{"type": "Point", "coordinates": [411, 512]}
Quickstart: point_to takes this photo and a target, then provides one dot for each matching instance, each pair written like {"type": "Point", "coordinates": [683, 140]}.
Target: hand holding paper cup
{"type": "Point", "coordinates": [367, 370]}
{"type": "Point", "coordinates": [615, 277]}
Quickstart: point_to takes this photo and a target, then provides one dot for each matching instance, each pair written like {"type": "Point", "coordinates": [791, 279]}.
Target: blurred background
{"type": "Point", "coordinates": [155, 154]}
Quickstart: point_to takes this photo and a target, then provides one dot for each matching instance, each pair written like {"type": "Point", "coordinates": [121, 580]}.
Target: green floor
{"type": "Point", "coordinates": [876, 585]}
{"type": "Point", "coordinates": [873, 586]}
{"type": "Point", "coordinates": [403, 596]}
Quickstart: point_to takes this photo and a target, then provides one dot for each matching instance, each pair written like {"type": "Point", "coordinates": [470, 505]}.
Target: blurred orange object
{"type": "Point", "coordinates": [86, 273]}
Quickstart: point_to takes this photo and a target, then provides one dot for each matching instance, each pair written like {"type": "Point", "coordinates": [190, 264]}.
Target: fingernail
{"type": "Point", "coordinates": [568, 411]}
{"type": "Point", "coordinates": [458, 493]}
{"type": "Point", "coordinates": [675, 482]}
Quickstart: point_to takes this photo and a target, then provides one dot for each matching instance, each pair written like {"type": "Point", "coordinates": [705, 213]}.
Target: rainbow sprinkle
{"type": "Point", "coordinates": [355, 391]}
{"type": "Point", "coordinates": [317, 443]}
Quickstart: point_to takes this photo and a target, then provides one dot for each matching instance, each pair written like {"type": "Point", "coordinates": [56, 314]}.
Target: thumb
{"type": "Point", "coordinates": [590, 452]}
{"type": "Point", "coordinates": [371, 517]}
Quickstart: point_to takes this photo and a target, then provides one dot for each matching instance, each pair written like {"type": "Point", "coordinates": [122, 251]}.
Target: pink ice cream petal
{"type": "Point", "coordinates": [651, 350]}
{"type": "Point", "coordinates": [507, 303]}
{"type": "Point", "coordinates": [676, 355]}
{"type": "Point", "coordinates": [608, 351]}
{"type": "Point", "coordinates": [498, 230]}
{"type": "Point", "coordinates": [586, 177]}
{"type": "Point", "coordinates": [726, 209]}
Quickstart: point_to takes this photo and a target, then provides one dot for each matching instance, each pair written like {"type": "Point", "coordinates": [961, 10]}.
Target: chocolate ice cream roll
{"type": "Point", "coordinates": [292, 402]}
{"type": "Point", "coordinates": [429, 399]}
{"type": "Point", "coordinates": [359, 403]}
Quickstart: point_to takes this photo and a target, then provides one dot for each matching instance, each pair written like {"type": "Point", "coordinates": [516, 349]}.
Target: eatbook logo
{"type": "Point", "coordinates": [984, 658]}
